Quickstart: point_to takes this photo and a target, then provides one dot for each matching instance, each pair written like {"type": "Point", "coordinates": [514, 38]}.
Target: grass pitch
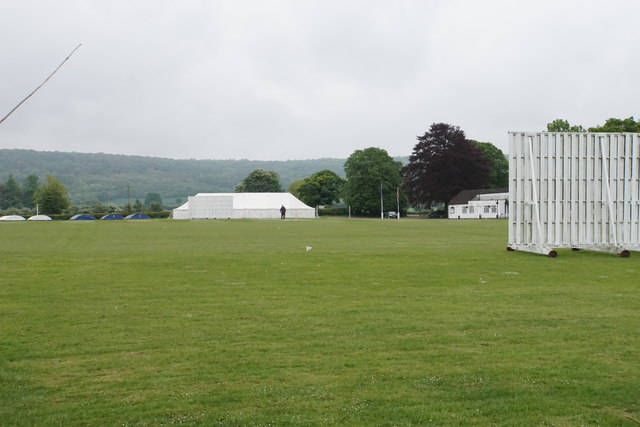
{"type": "Point", "coordinates": [381, 322]}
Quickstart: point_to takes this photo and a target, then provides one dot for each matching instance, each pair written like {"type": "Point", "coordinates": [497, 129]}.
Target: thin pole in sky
{"type": "Point", "coordinates": [41, 84]}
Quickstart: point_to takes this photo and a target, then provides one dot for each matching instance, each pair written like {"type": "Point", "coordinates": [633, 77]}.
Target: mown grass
{"type": "Point", "coordinates": [410, 322]}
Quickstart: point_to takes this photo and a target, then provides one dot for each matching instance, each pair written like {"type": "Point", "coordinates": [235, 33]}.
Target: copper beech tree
{"type": "Point", "coordinates": [442, 164]}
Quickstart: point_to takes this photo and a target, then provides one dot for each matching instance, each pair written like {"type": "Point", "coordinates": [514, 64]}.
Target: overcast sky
{"type": "Point", "coordinates": [305, 79]}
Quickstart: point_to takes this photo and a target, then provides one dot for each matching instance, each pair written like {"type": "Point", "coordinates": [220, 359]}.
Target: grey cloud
{"type": "Point", "coordinates": [303, 79]}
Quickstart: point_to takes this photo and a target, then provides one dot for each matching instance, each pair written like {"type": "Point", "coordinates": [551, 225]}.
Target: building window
{"type": "Point", "coordinates": [452, 210]}
{"type": "Point", "coordinates": [486, 209]}
{"type": "Point", "coordinates": [493, 209]}
{"type": "Point", "coordinates": [471, 209]}
{"type": "Point", "coordinates": [464, 209]}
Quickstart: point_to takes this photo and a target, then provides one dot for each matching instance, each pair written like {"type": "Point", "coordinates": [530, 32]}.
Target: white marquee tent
{"type": "Point", "coordinates": [242, 205]}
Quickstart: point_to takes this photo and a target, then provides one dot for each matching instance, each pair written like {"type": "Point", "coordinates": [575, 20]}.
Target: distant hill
{"type": "Point", "coordinates": [111, 178]}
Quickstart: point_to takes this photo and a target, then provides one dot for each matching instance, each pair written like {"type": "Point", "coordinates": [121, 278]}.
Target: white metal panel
{"type": "Point", "coordinates": [574, 190]}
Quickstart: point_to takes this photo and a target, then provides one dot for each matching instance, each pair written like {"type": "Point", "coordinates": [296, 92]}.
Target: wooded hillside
{"type": "Point", "coordinates": [110, 178]}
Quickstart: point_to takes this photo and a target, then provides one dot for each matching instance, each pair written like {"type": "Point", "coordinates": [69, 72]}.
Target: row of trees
{"type": "Point", "coordinates": [12, 194]}
{"type": "Point", "coordinates": [443, 163]}
{"type": "Point", "coordinates": [611, 125]}
{"type": "Point", "coordinates": [110, 178]}
{"type": "Point", "coordinates": [52, 197]}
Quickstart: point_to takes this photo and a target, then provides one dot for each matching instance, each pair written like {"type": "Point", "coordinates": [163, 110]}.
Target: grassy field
{"type": "Point", "coordinates": [382, 322]}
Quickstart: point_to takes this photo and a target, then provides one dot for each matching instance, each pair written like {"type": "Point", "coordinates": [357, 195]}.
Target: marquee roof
{"type": "Point", "coordinates": [257, 200]}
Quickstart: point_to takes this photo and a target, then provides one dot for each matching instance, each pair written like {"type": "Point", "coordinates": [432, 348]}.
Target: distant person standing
{"type": "Point", "coordinates": [283, 211]}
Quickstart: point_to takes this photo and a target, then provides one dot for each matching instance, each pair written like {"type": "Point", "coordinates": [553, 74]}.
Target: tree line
{"type": "Point", "coordinates": [93, 178]}
{"type": "Point", "coordinates": [611, 125]}
{"type": "Point", "coordinates": [443, 163]}
{"type": "Point", "coordinates": [52, 197]}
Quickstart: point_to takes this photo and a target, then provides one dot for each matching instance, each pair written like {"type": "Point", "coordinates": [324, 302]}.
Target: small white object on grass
{"type": "Point", "coordinates": [309, 248]}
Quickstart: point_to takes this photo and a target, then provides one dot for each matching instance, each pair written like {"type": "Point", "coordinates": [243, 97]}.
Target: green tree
{"type": "Point", "coordinates": [127, 209]}
{"type": "Point", "coordinates": [154, 206]}
{"type": "Point", "coordinates": [52, 196]}
{"type": "Point", "coordinates": [137, 206]}
{"type": "Point", "coordinates": [560, 125]}
{"type": "Point", "coordinates": [29, 189]}
{"type": "Point", "coordinates": [3, 191]}
{"type": "Point", "coordinates": [498, 164]}
{"type": "Point", "coordinates": [294, 187]}
{"type": "Point", "coordinates": [444, 163]}
{"type": "Point", "coordinates": [618, 125]}
{"type": "Point", "coordinates": [12, 194]}
{"type": "Point", "coordinates": [321, 188]}
{"type": "Point", "coordinates": [370, 173]}
{"type": "Point", "coordinates": [153, 197]}
{"type": "Point", "coordinates": [260, 181]}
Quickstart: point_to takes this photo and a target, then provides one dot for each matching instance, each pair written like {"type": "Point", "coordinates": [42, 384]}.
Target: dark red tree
{"type": "Point", "coordinates": [443, 163]}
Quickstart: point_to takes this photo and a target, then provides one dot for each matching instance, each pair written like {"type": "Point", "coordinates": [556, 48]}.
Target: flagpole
{"type": "Point", "coordinates": [41, 84]}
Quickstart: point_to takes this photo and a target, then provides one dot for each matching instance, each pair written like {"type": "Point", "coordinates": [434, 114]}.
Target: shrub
{"type": "Point", "coordinates": [333, 211]}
